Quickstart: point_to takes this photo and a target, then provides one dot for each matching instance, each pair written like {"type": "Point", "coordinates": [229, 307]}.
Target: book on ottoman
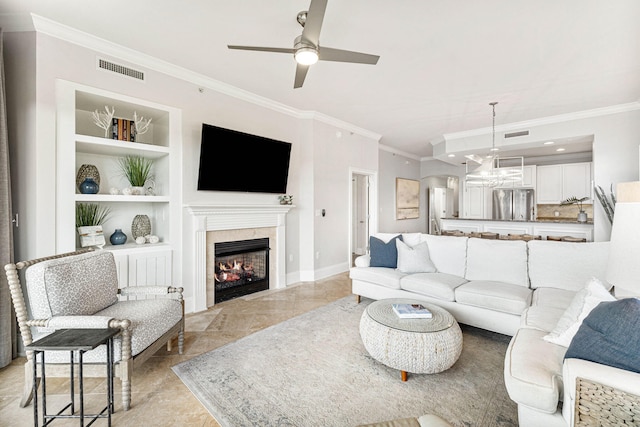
{"type": "Point", "coordinates": [412, 311]}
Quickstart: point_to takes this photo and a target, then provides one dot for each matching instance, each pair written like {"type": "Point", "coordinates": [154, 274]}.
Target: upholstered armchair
{"type": "Point", "coordinates": [80, 290]}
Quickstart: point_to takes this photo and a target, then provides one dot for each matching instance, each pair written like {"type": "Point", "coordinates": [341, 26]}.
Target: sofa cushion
{"type": "Point", "coordinates": [388, 277]}
{"type": "Point", "coordinates": [583, 302]}
{"type": "Point", "coordinates": [74, 285]}
{"type": "Point", "coordinates": [414, 259]}
{"type": "Point", "coordinates": [383, 254]}
{"type": "Point", "coordinates": [448, 253]}
{"type": "Point", "coordinates": [610, 335]}
{"type": "Point", "coordinates": [552, 297]}
{"type": "Point", "coordinates": [533, 370]}
{"type": "Point", "coordinates": [541, 317]}
{"type": "Point", "coordinates": [436, 285]}
{"type": "Point", "coordinates": [499, 296]}
{"type": "Point", "coordinates": [497, 260]}
{"type": "Point", "coordinates": [566, 265]}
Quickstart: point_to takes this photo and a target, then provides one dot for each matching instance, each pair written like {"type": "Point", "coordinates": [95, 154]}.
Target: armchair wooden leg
{"type": "Point", "coordinates": [180, 341]}
{"type": "Point", "coordinates": [27, 393]}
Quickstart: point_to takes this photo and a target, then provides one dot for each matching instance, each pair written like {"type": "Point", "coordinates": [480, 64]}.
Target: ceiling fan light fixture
{"type": "Point", "coordinates": [306, 56]}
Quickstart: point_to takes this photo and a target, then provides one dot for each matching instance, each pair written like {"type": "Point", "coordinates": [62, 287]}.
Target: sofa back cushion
{"type": "Point", "coordinates": [448, 253]}
{"type": "Point", "coordinates": [74, 285]}
{"type": "Point", "coordinates": [566, 265]}
{"type": "Point", "coordinates": [497, 260]}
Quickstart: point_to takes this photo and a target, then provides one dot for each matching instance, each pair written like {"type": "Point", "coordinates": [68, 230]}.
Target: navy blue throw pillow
{"type": "Point", "coordinates": [383, 254]}
{"type": "Point", "coordinates": [610, 335]}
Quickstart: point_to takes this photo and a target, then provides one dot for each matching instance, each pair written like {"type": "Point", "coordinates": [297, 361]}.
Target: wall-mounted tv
{"type": "Point", "coordinates": [237, 161]}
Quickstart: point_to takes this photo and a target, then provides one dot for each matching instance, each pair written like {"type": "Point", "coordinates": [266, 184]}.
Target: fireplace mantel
{"type": "Point", "coordinates": [212, 217]}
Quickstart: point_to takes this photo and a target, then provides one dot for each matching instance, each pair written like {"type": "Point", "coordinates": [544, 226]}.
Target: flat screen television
{"type": "Point", "coordinates": [236, 161]}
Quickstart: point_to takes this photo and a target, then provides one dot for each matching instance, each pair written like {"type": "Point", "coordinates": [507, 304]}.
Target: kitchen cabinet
{"type": "Point", "coordinates": [528, 178]}
{"type": "Point", "coordinates": [555, 183]}
{"type": "Point", "coordinates": [477, 202]}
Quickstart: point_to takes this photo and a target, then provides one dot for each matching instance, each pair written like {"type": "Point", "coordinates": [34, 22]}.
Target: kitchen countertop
{"type": "Point", "coordinates": [542, 219]}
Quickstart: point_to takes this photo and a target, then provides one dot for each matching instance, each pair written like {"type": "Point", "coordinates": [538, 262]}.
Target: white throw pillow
{"type": "Point", "coordinates": [584, 301]}
{"type": "Point", "coordinates": [414, 259]}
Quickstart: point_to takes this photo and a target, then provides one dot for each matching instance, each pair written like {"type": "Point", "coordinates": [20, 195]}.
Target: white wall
{"type": "Point", "coordinates": [319, 162]}
{"type": "Point", "coordinates": [391, 166]}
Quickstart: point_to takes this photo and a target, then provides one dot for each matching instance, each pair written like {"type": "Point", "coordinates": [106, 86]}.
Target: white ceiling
{"type": "Point", "coordinates": [441, 61]}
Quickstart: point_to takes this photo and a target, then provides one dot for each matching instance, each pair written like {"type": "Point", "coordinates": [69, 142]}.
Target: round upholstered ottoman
{"type": "Point", "coordinates": [420, 346]}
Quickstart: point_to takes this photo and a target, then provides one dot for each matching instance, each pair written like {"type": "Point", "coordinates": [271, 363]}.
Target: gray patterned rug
{"type": "Point", "coordinates": [313, 370]}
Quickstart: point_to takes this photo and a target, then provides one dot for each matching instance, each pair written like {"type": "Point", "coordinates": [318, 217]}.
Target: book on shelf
{"type": "Point", "coordinates": [412, 311]}
{"type": "Point", "coordinates": [123, 130]}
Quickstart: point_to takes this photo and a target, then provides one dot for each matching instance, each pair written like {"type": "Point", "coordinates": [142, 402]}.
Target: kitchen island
{"type": "Point", "coordinates": [540, 227]}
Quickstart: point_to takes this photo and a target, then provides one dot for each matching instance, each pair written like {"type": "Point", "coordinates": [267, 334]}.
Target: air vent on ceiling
{"type": "Point", "coordinates": [120, 69]}
{"type": "Point", "coordinates": [514, 134]}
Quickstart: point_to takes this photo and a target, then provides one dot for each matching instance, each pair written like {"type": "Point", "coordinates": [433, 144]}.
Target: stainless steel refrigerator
{"type": "Point", "coordinates": [513, 204]}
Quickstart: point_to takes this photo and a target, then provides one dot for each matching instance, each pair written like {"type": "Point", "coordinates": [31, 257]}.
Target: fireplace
{"type": "Point", "coordinates": [241, 268]}
{"type": "Point", "coordinates": [222, 223]}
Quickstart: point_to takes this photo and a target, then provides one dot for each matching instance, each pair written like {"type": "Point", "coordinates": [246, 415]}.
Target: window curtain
{"type": "Point", "coordinates": [7, 318]}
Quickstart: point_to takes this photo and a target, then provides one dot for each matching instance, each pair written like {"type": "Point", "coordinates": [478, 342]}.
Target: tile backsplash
{"type": "Point", "coordinates": [564, 212]}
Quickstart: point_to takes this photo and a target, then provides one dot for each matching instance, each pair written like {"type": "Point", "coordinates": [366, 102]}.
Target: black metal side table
{"type": "Point", "coordinates": [80, 340]}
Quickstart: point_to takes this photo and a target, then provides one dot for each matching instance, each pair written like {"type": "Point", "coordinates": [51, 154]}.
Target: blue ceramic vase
{"type": "Point", "coordinates": [89, 186]}
{"type": "Point", "coordinates": [118, 237]}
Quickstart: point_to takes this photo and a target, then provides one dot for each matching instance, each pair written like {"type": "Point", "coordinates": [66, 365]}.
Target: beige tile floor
{"type": "Point", "coordinates": [159, 397]}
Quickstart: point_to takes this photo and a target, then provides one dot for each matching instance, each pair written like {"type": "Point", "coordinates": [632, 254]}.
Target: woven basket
{"type": "Point", "coordinates": [141, 226]}
{"type": "Point", "coordinates": [601, 405]}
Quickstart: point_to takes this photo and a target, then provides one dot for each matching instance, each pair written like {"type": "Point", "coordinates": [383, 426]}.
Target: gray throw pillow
{"type": "Point", "coordinates": [383, 254]}
{"type": "Point", "coordinates": [610, 335]}
{"type": "Point", "coordinates": [414, 259]}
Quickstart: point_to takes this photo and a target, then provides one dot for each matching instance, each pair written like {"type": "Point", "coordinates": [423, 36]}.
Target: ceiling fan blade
{"type": "Point", "coordinates": [263, 49]}
{"type": "Point", "coordinates": [301, 73]}
{"type": "Point", "coordinates": [313, 24]}
{"type": "Point", "coordinates": [339, 55]}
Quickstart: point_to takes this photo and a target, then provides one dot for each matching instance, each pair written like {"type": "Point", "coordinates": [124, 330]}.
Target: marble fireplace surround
{"type": "Point", "coordinates": [220, 223]}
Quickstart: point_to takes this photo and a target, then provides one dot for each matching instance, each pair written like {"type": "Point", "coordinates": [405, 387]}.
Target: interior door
{"type": "Point", "coordinates": [360, 188]}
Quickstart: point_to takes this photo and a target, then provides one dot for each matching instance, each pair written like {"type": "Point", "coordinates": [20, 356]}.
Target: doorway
{"type": "Point", "coordinates": [442, 200]}
{"type": "Point", "coordinates": [362, 202]}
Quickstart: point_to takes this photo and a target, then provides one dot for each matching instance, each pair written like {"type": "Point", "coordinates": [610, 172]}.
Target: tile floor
{"type": "Point", "coordinates": [159, 398]}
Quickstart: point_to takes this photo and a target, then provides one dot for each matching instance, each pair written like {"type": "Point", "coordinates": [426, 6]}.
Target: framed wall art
{"type": "Point", "coordinates": [407, 198]}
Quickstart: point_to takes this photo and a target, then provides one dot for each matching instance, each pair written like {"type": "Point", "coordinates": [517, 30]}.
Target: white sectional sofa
{"type": "Point", "coordinates": [511, 287]}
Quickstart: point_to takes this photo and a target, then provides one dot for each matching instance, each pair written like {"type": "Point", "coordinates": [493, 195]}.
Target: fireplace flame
{"type": "Point", "coordinates": [232, 271]}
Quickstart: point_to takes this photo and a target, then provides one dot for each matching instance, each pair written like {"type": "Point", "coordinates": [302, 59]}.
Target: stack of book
{"type": "Point", "coordinates": [123, 130]}
{"type": "Point", "coordinates": [412, 311]}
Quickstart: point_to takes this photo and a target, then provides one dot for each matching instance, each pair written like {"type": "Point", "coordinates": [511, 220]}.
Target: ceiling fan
{"type": "Point", "coordinates": [306, 47]}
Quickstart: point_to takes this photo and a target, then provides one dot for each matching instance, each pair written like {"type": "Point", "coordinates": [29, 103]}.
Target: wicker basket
{"type": "Point", "coordinates": [601, 405]}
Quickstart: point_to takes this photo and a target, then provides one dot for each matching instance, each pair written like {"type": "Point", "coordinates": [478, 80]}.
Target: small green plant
{"type": "Point", "coordinates": [575, 200]}
{"type": "Point", "coordinates": [136, 169]}
{"type": "Point", "coordinates": [88, 214]}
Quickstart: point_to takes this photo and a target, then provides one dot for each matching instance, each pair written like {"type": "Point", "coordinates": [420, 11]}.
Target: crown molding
{"type": "Point", "coordinates": [88, 41]}
{"type": "Point", "coordinates": [560, 118]}
{"type": "Point", "coordinates": [396, 151]}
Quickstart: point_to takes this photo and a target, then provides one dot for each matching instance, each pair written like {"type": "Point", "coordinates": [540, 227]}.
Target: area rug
{"type": "Point", "coordinates": [313, 370]}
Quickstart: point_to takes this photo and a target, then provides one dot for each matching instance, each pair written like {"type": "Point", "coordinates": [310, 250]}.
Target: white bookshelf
{"type": "Point", "coordinates": [80, 141]}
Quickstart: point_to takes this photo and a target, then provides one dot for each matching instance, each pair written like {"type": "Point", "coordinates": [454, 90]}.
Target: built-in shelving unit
{"type": "Point", "coordinates": [80, 141]}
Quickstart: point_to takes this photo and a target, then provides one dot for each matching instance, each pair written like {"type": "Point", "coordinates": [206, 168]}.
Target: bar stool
{"type": "Point", "coordinates": [574, 239]}
{"type": "Point", "coordinates": [473, 234]}
{"type": "Point", "coordinates": [554, 238]}
{"type": "Point", "coordinates": [488, 235]}
{"type": "Point", "coordinates": [516, 236]}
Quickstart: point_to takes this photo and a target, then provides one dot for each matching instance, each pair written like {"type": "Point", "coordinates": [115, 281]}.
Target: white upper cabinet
{"type": "Point", "coordinates": [556, 183]}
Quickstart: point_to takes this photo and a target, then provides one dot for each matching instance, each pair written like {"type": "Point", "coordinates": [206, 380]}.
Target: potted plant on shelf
{"type": "Point", "coordinates": [137, 170]}
{"type": "Point", "coordinates": [89, 220]}
{"type": "Point", "coordinates": [582, 215]}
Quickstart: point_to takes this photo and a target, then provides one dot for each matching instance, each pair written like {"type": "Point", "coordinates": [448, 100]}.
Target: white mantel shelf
{"type": "Point", "coordinates": [212, 217]}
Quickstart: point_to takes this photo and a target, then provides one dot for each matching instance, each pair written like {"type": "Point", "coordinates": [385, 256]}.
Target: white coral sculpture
{"type": "Point", "coordinates": [142, 126]}
{"type": "Point", "coordinates": [104, 120]}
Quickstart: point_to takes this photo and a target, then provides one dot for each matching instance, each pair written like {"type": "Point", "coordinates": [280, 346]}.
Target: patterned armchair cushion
{"type": "Point", "coordinates": [150, 319]}
{"type": "Point", "coordinates": [75, 285]}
